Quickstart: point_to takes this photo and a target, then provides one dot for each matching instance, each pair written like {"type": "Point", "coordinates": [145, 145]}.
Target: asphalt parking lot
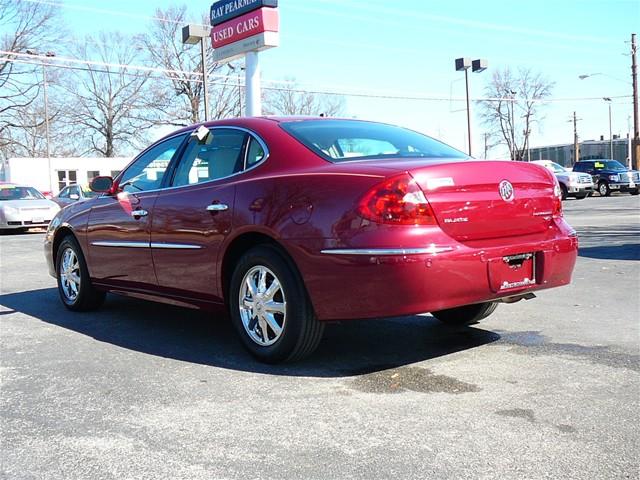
{"type": "Point", "coordinates": [548, 388]}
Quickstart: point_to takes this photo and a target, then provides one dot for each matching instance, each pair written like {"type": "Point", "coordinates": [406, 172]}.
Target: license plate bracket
{"type": "Point", "coordinates": [512, 272]}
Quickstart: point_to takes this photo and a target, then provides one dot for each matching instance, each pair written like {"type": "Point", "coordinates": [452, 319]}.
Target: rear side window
{"type": "Point", "coordinates": [348, 140]}
{"type": "Point", "coordinates": [221, 156]}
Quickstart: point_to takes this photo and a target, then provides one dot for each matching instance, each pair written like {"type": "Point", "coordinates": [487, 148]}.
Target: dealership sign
{"type": "Point", "coordinates": [241, 26]}
{"type": "Point", "coordinates": [247, 25]}
{"type": "Point", "coordinates": [225, 10]}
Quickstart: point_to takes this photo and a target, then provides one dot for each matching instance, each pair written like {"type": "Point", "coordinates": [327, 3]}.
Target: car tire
{"type": "Point", "coordinates": [603, 189]}
{"type": "Point", "coordinates": [466, 315]}
{"type": "Point", "coordinates": [74, 284]}
{"type": "Point", "coordinates": [564, 191]}
{"type": "Point", "coordinates": [634, 192]}
{"type": "Point", "coordinates": [581, 197]}
{"type": "Point", "coordinates": [270, 308]}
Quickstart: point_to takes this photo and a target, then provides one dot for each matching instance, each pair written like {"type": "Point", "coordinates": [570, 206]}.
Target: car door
{"type": "Point", "coordinates": [192, 219]}
{"type": "Point", "coordinates": [118, 230]}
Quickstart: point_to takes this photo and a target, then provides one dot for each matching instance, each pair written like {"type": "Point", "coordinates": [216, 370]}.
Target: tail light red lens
{"type": "Point", "coordinates": [397, 201]}
{"type": "Point", "coordinates": [557, 200]}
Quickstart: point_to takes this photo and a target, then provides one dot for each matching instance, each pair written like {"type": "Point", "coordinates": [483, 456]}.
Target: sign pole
{"type": "Point", "coordinates": [252, 82]}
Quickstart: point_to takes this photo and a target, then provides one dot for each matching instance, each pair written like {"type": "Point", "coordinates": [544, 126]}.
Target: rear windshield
{"type": "Point", "coordinates": [19, 193]}
{"type": "Point", "coordinates": [349, 140]}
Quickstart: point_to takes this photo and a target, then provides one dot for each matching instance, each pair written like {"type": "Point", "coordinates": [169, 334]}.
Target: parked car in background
{"type": "Point", "coordinates": [287, 223]}
{"type": "Point", "coordinates": [610, 176]}
{"type": "Point", "coordinates": [573, 184]}
{"type": "Point", "coordinates": [23, 207]}
{"type": "Point", "coordinates": [73, 193]}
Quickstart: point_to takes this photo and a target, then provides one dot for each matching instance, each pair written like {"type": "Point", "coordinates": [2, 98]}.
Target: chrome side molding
{"type": "Point", "coordinates": [433, 249]}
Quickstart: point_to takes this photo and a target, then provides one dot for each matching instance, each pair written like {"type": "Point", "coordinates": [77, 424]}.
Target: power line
{"type": "Point", "coordinates": [108, 12]}
{"type": "Point", "coordinates": [48, 61]}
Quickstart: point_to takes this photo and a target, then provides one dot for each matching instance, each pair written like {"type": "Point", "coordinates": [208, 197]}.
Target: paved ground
{"type": "Point", "coordinates": [548, 388]}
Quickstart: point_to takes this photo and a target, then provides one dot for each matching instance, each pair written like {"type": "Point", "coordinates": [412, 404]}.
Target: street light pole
{"type": "Point", "coordinates": [46, 114]}
{"type": "Point", "coordinates": [192, 34]}
{"type": "Point", "coordinates": [608, 100]}
{"type": "Point", "coordinates": [479, 65]}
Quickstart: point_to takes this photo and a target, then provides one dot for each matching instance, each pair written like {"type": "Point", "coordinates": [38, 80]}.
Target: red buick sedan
{"type": "Point", "coordinates": [290, 222]}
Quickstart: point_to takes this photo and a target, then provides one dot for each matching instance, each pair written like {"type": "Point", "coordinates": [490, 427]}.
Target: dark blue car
{"type": "Point", "coordinates": [610, 176]}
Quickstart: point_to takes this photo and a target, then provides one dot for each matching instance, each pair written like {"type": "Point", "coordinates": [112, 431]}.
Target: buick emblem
{"type": "Point", "coordinates": [506, 190]}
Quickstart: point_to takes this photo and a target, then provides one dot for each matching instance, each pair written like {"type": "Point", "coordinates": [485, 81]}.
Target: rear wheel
{"type": "Point", "coordinates": [564, 191]}
{"type": "Point", "coordinates": [270, 308]}
{"type": "Point", "coordinates": [581, 197]}
{"type": "Point", "coordinates": [74, 285]}
{"type": "Point", "coordinates": [634, 192]}
{"type": "Point", "coordinates": [603, 189]}
{"type": "Point", "coordinates": [467, 314]}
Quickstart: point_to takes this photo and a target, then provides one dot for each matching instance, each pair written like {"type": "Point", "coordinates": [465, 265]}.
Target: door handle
{"type": "Point", "coordinates": [217, 207]}
{"type": "Point", "coordinates": [139, 213]}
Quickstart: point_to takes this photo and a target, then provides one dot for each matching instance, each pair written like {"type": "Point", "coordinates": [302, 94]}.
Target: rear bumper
{"type": "Point", "coordinates": [370, 284]}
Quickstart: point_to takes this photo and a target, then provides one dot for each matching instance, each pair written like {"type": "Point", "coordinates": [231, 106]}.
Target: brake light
{"type": "Point", "coordinates": [557, 200]}
{"type": "Point", "coordinates": [398, 201]}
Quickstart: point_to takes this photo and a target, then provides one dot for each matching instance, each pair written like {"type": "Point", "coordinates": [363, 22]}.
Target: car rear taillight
{"type": "Point", "coordinates": [398, 201]}
{"type": "Point", "coordinates": [557, 200]}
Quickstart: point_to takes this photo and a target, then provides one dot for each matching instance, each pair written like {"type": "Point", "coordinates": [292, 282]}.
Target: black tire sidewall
{"type": "Point", "coordinates": [297, 309]}
{"type": "Point", "coordinates": [606, 189]}
{"type": "Point", "coordinates": [70, 242]}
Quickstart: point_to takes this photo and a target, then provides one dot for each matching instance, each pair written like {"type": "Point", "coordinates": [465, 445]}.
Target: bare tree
{"type": "Point", "coordinates": [515, 107]}
{"type": "Point", "coordinates": [24, 26]}
{"type": "Point", "coordinates": [290, 99]}
{"type": "Point", "coordinates": [180, 100]}
{"type": "Point", "coordinates": [108, 103]}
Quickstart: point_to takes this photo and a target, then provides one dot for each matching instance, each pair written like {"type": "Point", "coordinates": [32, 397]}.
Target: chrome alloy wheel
{"type": "Point", "coordinates": [263, 307]}
{"type": "Point", "coordinates": [69, 272]}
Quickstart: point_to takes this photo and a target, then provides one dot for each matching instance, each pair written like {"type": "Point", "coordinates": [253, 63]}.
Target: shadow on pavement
{"type": "Point", "coordinates": [348, 348]}
{"type": "Point", "coordinates": [621, 242]}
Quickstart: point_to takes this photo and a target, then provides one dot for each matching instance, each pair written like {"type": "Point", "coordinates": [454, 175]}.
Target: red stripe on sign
{"type": "Point", "coordinates": [262, 20]}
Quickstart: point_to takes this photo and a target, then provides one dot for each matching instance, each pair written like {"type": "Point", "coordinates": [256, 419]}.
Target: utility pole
{"type": "Point", "coordinates": [635, 158]}
{"type": "Point", "coordinates": [576, 145]}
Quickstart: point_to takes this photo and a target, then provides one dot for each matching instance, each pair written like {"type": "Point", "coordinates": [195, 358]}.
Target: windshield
{"type": "Point", "coordinates": [19, 193]}
{"type": "Point", "coordinates": [556, 168]}
{"type": "Point", "coordinates": [348, 140]}
{"type": "Point", "coordinates": [609, 165]}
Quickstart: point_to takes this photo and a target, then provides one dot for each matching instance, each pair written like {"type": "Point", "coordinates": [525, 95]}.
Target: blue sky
{"type": "Point", "coordinates": [409, 47]}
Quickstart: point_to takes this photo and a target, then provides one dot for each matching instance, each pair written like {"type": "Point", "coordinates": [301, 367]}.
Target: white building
{"type": "Point", "coordinates": [62, 172]}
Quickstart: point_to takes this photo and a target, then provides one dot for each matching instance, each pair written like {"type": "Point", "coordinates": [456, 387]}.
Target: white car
{"type": "Point", "coordinates": [572, 184]}
{"type": "Point", "coordinates": [23, 207]}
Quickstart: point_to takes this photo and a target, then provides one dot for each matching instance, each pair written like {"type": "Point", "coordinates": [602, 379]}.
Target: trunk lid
{"type": "Point", "coordinates": [475, 200]}
{"type": "Point", "coordinates": [465, 195]}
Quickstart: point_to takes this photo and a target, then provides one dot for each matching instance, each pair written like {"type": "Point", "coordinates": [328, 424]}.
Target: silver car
{"type": "Point", "coordinates": [572, 184]}
{"type": "Point", "coordinates": [23, 207]}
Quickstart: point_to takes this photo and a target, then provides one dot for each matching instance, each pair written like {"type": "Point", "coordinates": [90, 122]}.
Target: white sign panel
{"type": "Point", "coordinates": [256, 43]}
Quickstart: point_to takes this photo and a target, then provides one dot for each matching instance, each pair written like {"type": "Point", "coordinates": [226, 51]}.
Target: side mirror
{"type": "Point", "coordinates": [101, 184]}
{"type": "Point", "coordinates": [74, 196]}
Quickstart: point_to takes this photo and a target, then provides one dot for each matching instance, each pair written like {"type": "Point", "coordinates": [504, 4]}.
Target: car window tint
{"type": "Point", "coordinates": [218, 157]}
{"type": "Point", "coordinates": [75, 190]}
{"type": "Point", "coordinates": [64, 193]}
{"type": "Point", "coordinates": [349, 140]}
{"type": "Point", "coordinates": [255, 152]}
{"type": "Point", "coordinates": [147, 171]}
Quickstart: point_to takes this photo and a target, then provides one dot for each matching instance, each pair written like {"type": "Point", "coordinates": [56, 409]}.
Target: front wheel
{"type": "Point", "coordinates": [603, 189]}
{"type": "Point", "coordinates": [74, 285]}
{"type": "Point", "coordinates": [467, 314]}
{"type": "Point", "coordinates": [270, 308]}
{"type": "Point", "coordinates": [634, 192]}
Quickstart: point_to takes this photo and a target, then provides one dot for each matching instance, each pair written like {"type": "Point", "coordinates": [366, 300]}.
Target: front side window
{"type": "Point", "coordinates": [147, 171]}
{"type": "Point", "coordinates": [220, 156]}
{"type": "Point", "coordinates": [347, 140]}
